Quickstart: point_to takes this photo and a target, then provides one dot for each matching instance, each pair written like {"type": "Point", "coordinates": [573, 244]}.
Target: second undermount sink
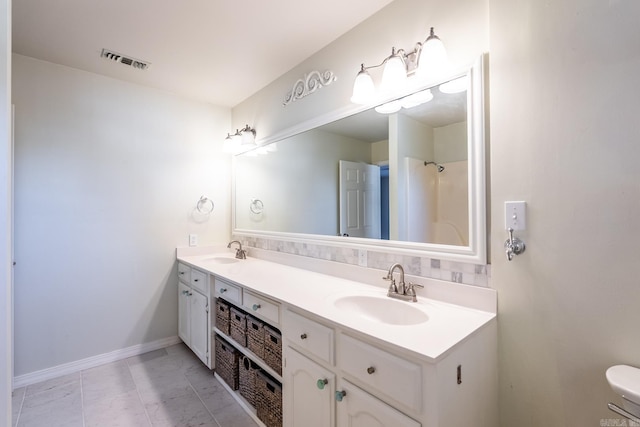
{"type": "Point", "coordinates": [220, 260]}
{"type": "Point", "coordinates": [381, 309]}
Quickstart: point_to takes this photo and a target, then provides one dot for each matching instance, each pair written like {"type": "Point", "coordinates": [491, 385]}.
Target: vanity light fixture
{"type": "Point", "coordinates": [427, 60]}
{"type": "Point", "coordinates": [243, 138]}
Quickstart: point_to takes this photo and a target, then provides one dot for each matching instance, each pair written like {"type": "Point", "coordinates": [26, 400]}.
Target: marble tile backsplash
{"type": "Point", "coordinates": [459, 272]}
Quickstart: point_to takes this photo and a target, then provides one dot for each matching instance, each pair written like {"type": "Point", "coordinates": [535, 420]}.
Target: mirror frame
{"type": "Point", "coordinates": [475, 253]}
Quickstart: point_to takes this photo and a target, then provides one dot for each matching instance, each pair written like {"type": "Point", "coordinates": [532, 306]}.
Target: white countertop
{"type": "Point", "coordinates": [448, 324]}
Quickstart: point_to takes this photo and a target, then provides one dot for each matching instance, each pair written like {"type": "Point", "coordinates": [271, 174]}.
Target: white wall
{"type": "Point", "coordinates": [565, 84]}
{"type": "Point", "coordinates": [304, 171]}
{"type": "Point", "coordinates": [6, 347]}
{"type": "Point", "coordinates": [407, 138]}
{"type": "Point", "coordinates": [450, 143]}
{"type": "Point", "coordinates": [108, 174]}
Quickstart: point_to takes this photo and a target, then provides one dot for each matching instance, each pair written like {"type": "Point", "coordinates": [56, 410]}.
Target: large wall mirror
{"type": "Point", "coordinates": [411, 180]}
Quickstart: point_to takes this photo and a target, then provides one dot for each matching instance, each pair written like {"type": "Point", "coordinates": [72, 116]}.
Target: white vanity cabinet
{"type": "Point", "coordinates": [315, 392]}
{"type": "Point", "coordinates": [193, 311]}
{"type": "Point", "coordinates": [308, 392]}
{"type": "Point", "coordinates": [342, 369]}
{"type": "Point", "coordinates": [336, 377]}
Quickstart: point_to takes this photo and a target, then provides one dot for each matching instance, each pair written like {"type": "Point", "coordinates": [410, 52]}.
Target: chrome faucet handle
{"type": "Point", "coordinates": [411, 290]}
{"type": "Point", "coordinates": [241, 254]}
{"type": "Point", "coordinates": [393, 289]}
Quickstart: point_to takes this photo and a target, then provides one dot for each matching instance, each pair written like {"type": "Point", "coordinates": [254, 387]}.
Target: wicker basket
{"type": "Point", "coordinates": [255, 336]}
{"type": "Point", "coordinates": [268, 400]}
{"type": "Point", "coordinates": [238, 326]}
{"type": "Point", "coordinates": [227, 362]}
{"type": "Point", "coordinates": [273, 348]}
{"type": "Point", "coordinates": [248, 372]}
{"type": "Point", "coordinates": [222, 316]}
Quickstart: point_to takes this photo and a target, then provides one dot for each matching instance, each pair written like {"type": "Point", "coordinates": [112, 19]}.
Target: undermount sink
{"type": "Point", "coordinates": [220, 260]}
{"type": "Point", "coordinates": [381, 309]}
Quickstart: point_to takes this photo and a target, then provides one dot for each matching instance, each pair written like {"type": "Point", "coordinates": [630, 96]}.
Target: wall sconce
{"type": "Point", "coordinates": [427, 60]}
{"type": "Point", "coordinates": [242, 139]}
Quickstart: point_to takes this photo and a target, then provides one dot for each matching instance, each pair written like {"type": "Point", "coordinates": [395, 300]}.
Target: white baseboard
{"type": "Point", "coordinates": [91, 362]}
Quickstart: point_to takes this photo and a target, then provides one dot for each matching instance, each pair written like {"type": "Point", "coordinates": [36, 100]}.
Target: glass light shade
{"type": "Point", "coordinates": [394, 76]}
{"type": "Point", "coordinates": [389, 107]}
{"type": "Point", "coordinates": [455, 86]}
{"type": "Point", "coordinates": [230, 145]}
{"type": "Point", "coordinates": [363, 88]}
{"type": "Point", "coordinates": [417, 98]}
{"type": "Point", "coordinates": [248, 137]}
{"type": "Point", "coordinates": [433, 62]}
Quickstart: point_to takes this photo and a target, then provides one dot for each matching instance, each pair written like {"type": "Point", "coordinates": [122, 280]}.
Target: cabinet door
{"type": "Point", "coordinates": [183, 313]}
{"type": "Point", "coordinates": [198, 328]}
{"type": "Point", "coordinates": [305, 404]}
{"type": "Point", "coordinates": [359, 409]}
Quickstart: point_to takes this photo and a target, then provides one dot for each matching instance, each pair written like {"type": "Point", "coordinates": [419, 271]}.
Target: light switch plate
{"type": "Point", "coordinates": [515, 215]}
{"type": "Point", "coordinates": [193, 240]}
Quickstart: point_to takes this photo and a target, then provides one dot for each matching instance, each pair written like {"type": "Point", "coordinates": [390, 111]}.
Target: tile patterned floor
{"type": "Point", "coordinates": [167, 387]}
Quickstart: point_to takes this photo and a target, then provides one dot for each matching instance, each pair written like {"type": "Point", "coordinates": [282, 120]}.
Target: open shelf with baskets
{"type": "Point", "coordinates": [248, 361]}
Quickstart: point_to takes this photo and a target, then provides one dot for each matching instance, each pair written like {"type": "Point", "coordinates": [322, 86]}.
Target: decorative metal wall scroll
{"type": "Point", "coordinates": [309, 84]}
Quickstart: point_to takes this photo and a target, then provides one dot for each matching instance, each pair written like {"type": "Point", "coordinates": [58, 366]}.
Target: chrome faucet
{"type": "Point", "coordinates": [393, 288]}
{"type": "Point", "coordinates": [403, 291]}
{"type": "Point", "coordinates": [240, 253]}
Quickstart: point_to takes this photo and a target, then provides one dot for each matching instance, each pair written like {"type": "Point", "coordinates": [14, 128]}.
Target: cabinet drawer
{"type": "Point", "coordinates": [260, 306]}
{"type": "Point", "coordinates": [226, 290]}
{"type": "Point", "coordinates": [388, 374]}
{"type": "Point", "coordinates": [184, 273]}
{"type": "Point", "coordinates": [309, 335]}
{"type": "Point", "coordinates": [199, 280]}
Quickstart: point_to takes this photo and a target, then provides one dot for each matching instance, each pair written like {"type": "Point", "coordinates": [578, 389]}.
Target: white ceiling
{"type": "Point", "coordinates": [219, 51]}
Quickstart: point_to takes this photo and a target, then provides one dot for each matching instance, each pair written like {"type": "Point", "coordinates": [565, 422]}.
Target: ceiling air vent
{"type": "Point", "coordinates": [123, 59]}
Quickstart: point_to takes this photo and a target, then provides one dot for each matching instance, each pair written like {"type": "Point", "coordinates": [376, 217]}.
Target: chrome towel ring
{"type": "Point", "coordinates": [205, 205]}
{"type": "Point", "coordinates": [256, 206]}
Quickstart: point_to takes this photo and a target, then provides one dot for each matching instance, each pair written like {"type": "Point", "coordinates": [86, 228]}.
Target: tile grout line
{"type": "Point", "coordinates": [24, 395]}
{"type": "Point", "coordinates": [202, 401]}
{"type": "Point", "coordinates": [146, 413]}
{"type": "Point", "coordinates": [84, 423]}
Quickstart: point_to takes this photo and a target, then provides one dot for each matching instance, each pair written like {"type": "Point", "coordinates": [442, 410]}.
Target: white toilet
{"type": "Point", "coordinates": [625, 380]}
